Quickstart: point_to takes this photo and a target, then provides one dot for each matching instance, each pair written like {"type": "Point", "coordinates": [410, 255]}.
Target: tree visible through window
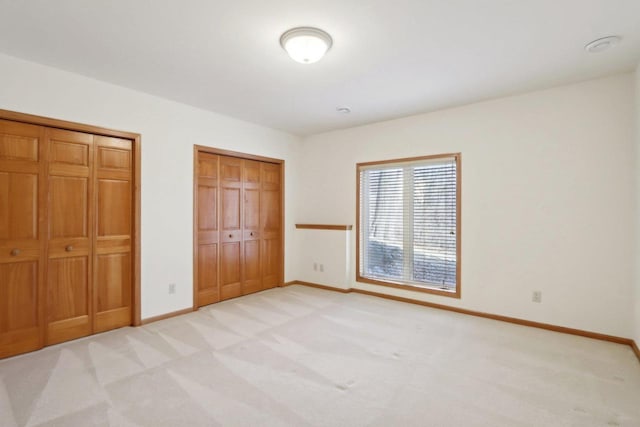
{"type": "Point", "coordinates": [408, 223]}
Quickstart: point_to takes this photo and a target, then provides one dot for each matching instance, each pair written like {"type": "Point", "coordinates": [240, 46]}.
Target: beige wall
{"type": "Point", "coordinates": [548, 195]}
{"type": "Point", "coordinates": [327, 251]}
{"type": "Point", "coordinates": [548, 190]}
{"type": "Point", "coordinates": [169, 131]}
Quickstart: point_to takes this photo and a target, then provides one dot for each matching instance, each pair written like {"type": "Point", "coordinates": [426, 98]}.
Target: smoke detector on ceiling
{"type": "Point", "coordinates": [602, 44]}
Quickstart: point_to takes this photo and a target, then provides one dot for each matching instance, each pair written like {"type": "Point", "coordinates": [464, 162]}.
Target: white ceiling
{"type": "Point", "coordinates": [389, 58]}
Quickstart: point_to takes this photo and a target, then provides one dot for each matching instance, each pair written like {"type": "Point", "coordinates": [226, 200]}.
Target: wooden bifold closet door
{"type": "Point", "coordinates": [71, 214]}
{"type": "Point", "coordinates": [113, 233]}
{"type": "Point", "coordinates": [22, 237]}
{"type": "Point", "coordinates": [66, 231]}
{"type": "Point", "coordinates": [238, 225]}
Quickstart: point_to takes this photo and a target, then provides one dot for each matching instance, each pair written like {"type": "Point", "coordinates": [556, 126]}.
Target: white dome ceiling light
{"type": "Point", "coordinates": [602, 44]}
{"type": "Point", "coordinates": [306, 44]}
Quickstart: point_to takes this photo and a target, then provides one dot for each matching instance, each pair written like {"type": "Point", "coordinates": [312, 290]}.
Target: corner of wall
{"type": "Point", "coordinates": [636, 296]}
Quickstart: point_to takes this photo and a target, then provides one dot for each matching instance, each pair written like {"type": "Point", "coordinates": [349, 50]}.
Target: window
{"type": "Point", "coordinates": [409, 223]}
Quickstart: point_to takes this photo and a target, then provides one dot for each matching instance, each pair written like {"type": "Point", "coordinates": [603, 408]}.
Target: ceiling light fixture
{"type": "Point", "coordinates": [602, 44]}
{"type": "Point", "coordinates": [343, 109]}
{"type": "Point", "coordinates": [306, 44]}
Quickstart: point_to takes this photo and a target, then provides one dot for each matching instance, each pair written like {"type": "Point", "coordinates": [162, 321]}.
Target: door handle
{"type": "Point", "coordinates": [68, 248]}
{"type": "Point", "coordinates": [251, 233]}
{"type": "Point", "coordinates": [15, 252]}
{"type": "Point", "coordinates": [230, 235]}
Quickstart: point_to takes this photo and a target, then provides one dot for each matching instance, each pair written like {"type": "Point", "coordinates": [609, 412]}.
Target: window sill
{"type": "Point", "coordinates": [416, 288]}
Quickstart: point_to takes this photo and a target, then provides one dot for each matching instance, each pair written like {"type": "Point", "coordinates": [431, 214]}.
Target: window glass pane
{"type": "Point", "coordinates": [434, 225]}
{"type": "Point", "coordinates": [384, 218]}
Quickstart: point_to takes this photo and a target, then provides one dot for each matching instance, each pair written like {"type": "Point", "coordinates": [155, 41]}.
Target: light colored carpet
{"type": "Point", "coordinates": [298, 356]}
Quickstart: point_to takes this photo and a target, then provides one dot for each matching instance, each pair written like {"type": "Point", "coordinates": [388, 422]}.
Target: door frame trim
{"type": "Point", "coordinates": [97, 130]}
{"type": "Point", "coordinates": [222, 152]}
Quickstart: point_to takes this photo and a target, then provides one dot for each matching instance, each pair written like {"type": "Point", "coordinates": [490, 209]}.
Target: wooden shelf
{"type": "Point", "coordinates": [324, 227]}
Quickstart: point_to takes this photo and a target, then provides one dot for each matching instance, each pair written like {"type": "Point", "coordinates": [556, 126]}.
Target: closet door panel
{"type": "Point", "coordinates": [208, 289]}
{"type": "Point", "coordinates": [18, 309]}
{"type": "Point", "coordinates": [271, 210]}
{"type": "Point", "coordinates": [113, 230]}
{"type": "Point", "coordinates": [114, 207]}
{"type": "Point", "coordinates": [18, 290]}
{"type": "Point", "coordinates": [231, 209]}
{"type": "Point", "coordinates": [230, 270]}
{"type": "Point", "coordinates": [113, 286]}
{"type": "Point", "coordinates": [68, 207]}
{"type": "Point", "coordinates": [271, 221]}
{"type": "Point", "coordinates": [231, 227]}
{"type": "Point", "coordinates": [252, 209]}
{"type": "Point", "coordinates": [252, 173]}
{"type": "Point", "coordinates": [68, 303]}
{"type": "Point", "coordinates": [74, 152]}
{"type": "Point", "coordinates": [251, 268]}
{"type": "Point", "coordinates": [207, 267]}
{"type": "Point", "coordinates": [19, 141]}
{"type": "Point", "coordinates": [22, 237]}
{"type": "Point", "coordinates": [207, 207]}
{"type": "Point", "coordinates": [67, 292]}
{"type": "Point", "coordinates": [271, 263]}
{"type": "Point", "coordinates": [69, 308]}
{"type": "Point", "coordinates": [114, 275]}
{"type": "Point", "coordinates": [18, 206]}
{"type": "Point", "coordinates": [207, 195]}
{"type": "Point", "coordinates": [116, 156]}
{"type": "Point", "coordinates": [230, 169]}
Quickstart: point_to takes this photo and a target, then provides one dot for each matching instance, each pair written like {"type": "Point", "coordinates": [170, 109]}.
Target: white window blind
{"type": "Point", "coordinates": [408, 221]}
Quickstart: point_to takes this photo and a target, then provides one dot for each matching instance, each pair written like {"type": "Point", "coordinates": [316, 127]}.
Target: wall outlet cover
{"type": "Point", "coordinates": [537, 296]}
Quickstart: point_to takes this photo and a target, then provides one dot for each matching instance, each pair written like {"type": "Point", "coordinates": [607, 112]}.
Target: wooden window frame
{"type": "Point", "coordinates": [135, 138]}
{"type": "Point", "coordinates": [418, 288]}
{"type": "Point", "coordinates": [245, 156]}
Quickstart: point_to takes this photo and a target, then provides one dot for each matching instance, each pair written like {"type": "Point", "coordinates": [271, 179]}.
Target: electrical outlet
{"type": "Point", "coordinates": [321, 268]}
{"type": "Point", "coordinates": [172, 288]}
{"type": "Point", "coordinates": [315, 266]}
{"type": "Point", "coordinates": [537, 296]}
